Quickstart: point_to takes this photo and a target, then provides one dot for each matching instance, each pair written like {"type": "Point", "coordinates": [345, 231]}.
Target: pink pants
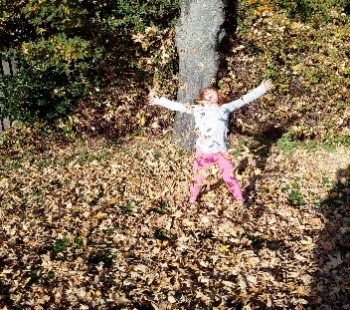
{"type": "Point", "coordinates": [202, 161]}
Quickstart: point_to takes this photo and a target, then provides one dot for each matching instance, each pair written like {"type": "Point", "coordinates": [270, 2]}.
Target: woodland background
{"type": "Point", "coordinates": [93, 193]}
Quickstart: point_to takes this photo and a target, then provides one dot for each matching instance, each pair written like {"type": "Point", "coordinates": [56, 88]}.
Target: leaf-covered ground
{"type": "Point", "coordinates": [96, 225]}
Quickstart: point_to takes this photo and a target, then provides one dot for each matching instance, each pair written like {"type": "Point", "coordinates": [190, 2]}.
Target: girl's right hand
{"type": "Point", "coordinates": [152, 98]}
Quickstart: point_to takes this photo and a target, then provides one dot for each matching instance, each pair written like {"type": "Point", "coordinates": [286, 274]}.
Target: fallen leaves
{"type": "Point", "coordinates": [99, 226]}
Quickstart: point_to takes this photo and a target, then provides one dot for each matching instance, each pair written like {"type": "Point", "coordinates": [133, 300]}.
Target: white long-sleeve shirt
{"type": "Point", "coordinates": [211, 122]}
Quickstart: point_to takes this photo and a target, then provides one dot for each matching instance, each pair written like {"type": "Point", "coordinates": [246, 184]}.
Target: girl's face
{"type": "Point", "coordinates": [212, 96]}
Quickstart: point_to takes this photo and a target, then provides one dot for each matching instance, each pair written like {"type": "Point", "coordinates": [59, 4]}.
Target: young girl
{"type": "Point", "coordinates": [211, 117]}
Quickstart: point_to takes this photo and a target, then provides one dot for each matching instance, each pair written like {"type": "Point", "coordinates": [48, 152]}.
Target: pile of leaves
{"type": "Point", "coordinates": [106, 224]}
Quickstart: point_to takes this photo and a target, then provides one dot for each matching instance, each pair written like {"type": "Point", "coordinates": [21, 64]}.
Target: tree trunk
{"type": "Point", "coordinates": [199, 32]}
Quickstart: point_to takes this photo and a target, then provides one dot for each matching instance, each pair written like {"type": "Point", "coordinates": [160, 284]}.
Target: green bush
{"type": "Point", "coordinates": [313, 11]}
{"type": "Point", "coordinates": [69, 49]}
{"type": "Point", "coordinates": [33, 94]}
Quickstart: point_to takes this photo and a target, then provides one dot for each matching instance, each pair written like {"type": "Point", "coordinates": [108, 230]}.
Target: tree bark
{"type": "Point", "coordinates": [199, 32]}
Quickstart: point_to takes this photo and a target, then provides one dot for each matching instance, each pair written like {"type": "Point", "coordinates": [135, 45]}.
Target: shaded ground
{"type": "Point", "coordinates": [107, 226]}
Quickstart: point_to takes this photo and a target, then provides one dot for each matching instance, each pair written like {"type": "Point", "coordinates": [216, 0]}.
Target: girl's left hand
{"type": "Point", "coordinates": [267, 84]}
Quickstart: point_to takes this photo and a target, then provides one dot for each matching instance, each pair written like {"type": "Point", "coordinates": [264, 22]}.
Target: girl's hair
{"type": "Point", "coordinates": [222, 98]}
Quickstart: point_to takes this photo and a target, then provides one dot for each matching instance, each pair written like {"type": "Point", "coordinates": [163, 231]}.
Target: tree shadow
{"type": "Point", "coordinates": [331, 280]}
{"type": "Point", "coordinates": [265, 135]}
{"type": "Point", "coordinates": [261, 151]}
{"type": "Point", "coordinates": [229, 25]}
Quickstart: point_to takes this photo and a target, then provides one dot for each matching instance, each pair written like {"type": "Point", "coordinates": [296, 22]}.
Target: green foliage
{"type": "Point", "coordinates": [103, 256]}
{"type": "Point", "coordinates": [59, 245]}
{"type": "Point", "coordinates": [161, 207]}
{"type": "Point", "coordinates": [127, 208]}
{"type": "Point", "coordinates": [295, 196]}
{"type": "Point", "coordinates": [257, 241]}
{"type": "Point", "coordinates": [66, 50]}
{"type": "Point", "coordinates": [305, 9]}
{"type": "Point", "coordinates": [162, 234]}
{"type": "Point", "coordinates": [14, 27]}
{"type": "Point", "coordinates": [239, 149]}
{"type": "Point", "coordinates": [34, 94]}
{"type": "Point", "coordinates": [287, 145]}
{"type": "Point", "coordinates": [37, 275]}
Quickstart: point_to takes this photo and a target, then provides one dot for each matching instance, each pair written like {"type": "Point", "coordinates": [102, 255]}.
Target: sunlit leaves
{"type": "Point", "coordinates": [308, 64]}
{"type": "Point", "coordinates": [112, 223]}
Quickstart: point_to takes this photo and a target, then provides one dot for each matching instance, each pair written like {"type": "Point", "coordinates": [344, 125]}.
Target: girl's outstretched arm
{"type": "Point", "coordinates": [254, 94]}
{"type": "Point", "coordinates": [171, 105]}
